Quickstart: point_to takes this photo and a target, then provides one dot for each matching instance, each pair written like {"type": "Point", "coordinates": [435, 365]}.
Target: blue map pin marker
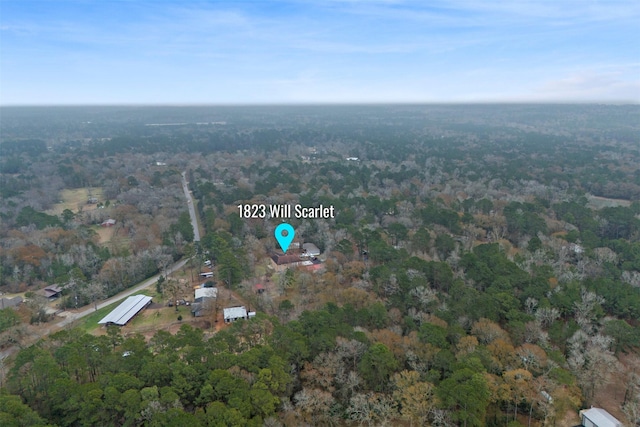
{"type": "Point", "coordinates": [284, 241]}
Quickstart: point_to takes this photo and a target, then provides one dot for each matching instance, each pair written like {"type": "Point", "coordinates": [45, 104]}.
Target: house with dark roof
{"type": "Point", "coordinates": [281, 262]}
{"type": "Point", "coordinates": [52, 291]}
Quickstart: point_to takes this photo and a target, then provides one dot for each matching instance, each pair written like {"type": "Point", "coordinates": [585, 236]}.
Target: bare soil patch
{"type": "Point", "coordinates": [104, 233]}
{"type": "Point", "coordinates": [154, 305]}
{"type": "Point", "coordinates": [570, 419]}
{"type": "Point", "coordinates": [611, 396]}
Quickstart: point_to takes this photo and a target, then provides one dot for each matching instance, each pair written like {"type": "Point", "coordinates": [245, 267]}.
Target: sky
{"type": "Point", "coordinates": [333, 51]}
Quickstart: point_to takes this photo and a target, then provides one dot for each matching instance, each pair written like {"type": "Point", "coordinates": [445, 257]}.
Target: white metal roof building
{"type": "Point", "coordinates": [310, 249]}
{"type": "Point", "coordinates": [597, 417]}
{"type": "Point", "coordinates": [125, 311]}
{"type": "Point", "coordinates": [206, 293]}
{"type": "Point", "coordinates": [234, 313]}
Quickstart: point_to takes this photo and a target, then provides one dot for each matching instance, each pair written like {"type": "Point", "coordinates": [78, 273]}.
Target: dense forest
{"type": "Point", "coordinates": [483, 266]}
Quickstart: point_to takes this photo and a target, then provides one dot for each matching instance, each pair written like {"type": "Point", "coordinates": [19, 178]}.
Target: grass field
{"type": "Point", "coordinates": [72, 199]}
{"type": "Point", "coordinates": [90, 322]}
{"type": "Point", "coordinates": [158, 318]}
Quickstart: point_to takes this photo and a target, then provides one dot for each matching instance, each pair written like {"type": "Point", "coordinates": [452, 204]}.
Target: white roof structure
{"type": "Point", "coordinates": [310, 249]}
{"type": "Point", "coordinates": [125, 311]}
{"type": "Point", "coordinates": [235, 313]}
{"type": "Point", "coordinates": [597, 417]}
{"type": "Point", "coordinates": [206, 293]}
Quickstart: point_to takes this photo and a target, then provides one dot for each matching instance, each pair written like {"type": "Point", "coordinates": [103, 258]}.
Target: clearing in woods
{"type": "Point", "coordinates": [597, 202]}
{"type": "Point", "coordinates": [104, 233]}
{"type": "Point", "coordinates": [76, 199]}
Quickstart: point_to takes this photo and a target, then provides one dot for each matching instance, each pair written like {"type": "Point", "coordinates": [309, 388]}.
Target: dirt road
{"type": "Point", "coordinates": [192, 209]}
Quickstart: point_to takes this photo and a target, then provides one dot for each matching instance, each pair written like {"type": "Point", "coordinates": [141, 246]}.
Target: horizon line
{"type": "Point", "coordinates": [325, 103]}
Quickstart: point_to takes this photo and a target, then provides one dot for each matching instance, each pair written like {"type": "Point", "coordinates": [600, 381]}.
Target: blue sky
{"type": "Point", "coordinates": [340, 51]}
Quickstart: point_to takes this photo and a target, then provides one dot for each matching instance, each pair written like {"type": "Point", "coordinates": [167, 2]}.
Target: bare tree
{"type": "Point", "coordinates": [591, 361]}
{"type": "Point", "coordinates": [586, 309]}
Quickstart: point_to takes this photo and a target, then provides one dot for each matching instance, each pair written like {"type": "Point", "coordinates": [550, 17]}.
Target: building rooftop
{"type": "Point", "coordinates": [10, 302]}
{"type": "Point", "coordinates": [600, 417]}
{"type": "Point", "coordinates": [285, 259]}
{"type": "Point", "coordinates": [51, 291]}
{"type": "Point", "coordinates": [125, 311]}
{"type": "Point", "coordinates": [206, 293]}
{"type": "Point", "coordinates": [235, 312]}
{"type": "Point", "coordinates": [310, 249]}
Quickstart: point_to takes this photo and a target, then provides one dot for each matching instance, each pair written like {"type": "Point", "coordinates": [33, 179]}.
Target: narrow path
{"type": "Point", "coordinates": [192, 209]}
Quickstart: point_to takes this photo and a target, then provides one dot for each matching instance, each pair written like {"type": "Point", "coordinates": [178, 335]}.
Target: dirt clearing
{"type": "Point", "coordinates": [104, 233]}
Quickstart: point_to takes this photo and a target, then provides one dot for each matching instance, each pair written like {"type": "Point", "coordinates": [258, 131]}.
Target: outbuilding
{"type": "Point", "coordinates": [52, 291]}
{"type": "Point", "coordinates": [203, 292]}
{"type": "Point", "coordinates": [232, 314]}
{"type": "Point", "coordinates": [598, 417]}
{"type": "Point", "coordinates": [10, 302]}
{"type": "Point", "coordinates": [126, 310]}
{"type": "Point", "coordinates": [310, 250]}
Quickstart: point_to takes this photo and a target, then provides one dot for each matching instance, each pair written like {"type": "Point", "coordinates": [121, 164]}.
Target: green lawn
{"type": "Point", "coordinates": [159, 318]}
{"type": "Point", "coordinates": [90, 322]}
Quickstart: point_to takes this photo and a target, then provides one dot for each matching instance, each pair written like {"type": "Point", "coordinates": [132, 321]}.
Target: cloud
{"type": "Point", "coordinates": [611, 86]}
{"type": "Point", "coordinates": [313, 50]}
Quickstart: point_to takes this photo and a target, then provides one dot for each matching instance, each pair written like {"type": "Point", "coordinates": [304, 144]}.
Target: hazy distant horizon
{"type": "Point", "coordinates": [330, 104]}
{"type": "Point", "coordinates": [58, 53]}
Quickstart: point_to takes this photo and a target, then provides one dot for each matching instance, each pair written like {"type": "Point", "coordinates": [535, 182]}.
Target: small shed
{"type": "Point", "coordinates": [259, 288]}
{"type": "Point", "coordinates": [598, 417]}
{"type": "Point", "coordinates": [108, 223]}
